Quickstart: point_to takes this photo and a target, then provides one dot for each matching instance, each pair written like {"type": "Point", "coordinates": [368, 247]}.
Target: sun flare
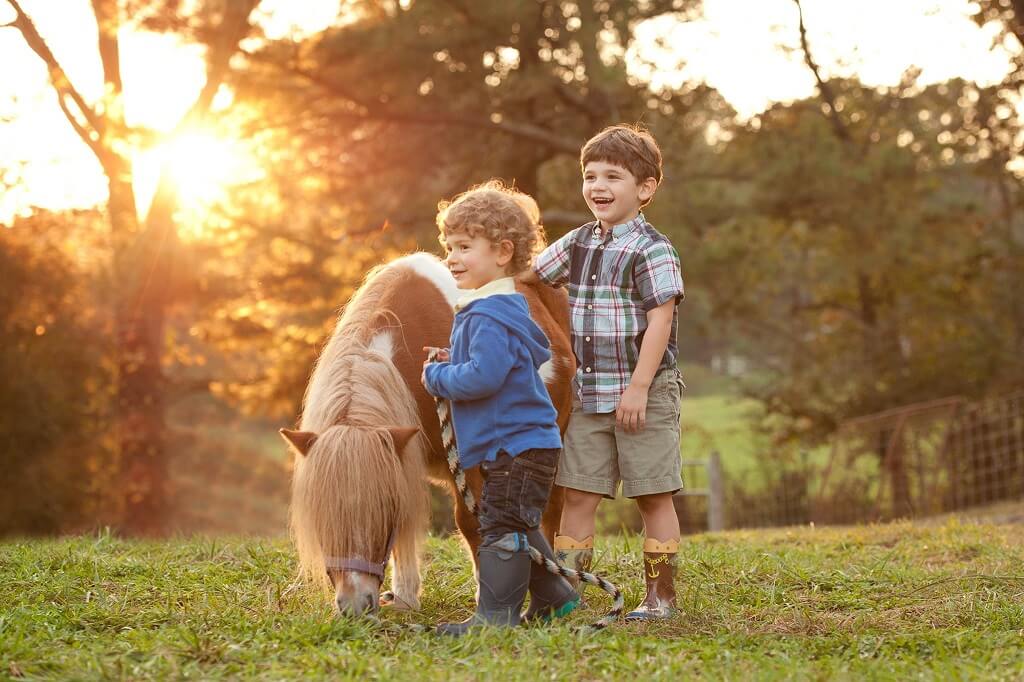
{"type": "Point", "coordinates": [202, 166]}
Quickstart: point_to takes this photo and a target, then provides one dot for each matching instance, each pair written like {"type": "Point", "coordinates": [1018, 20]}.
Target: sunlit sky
{"type": "Point", "coordinates": [739, 47]}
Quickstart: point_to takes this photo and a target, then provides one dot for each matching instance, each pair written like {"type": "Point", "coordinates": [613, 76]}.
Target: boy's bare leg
{"type": "Point", "coordinates": [579, 512]}
{"type": "Point", "coordinates": [660, 548]}
{"type": "Point", "coordinates": [659, 515]}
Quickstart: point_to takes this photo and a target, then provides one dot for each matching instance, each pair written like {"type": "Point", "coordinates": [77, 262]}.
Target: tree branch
{"type": "Point", "coordinates": [234, 26]}
{"type": "Point", "coordinates": [58, 77]}
{"type": "Point", "coordinates": [824, 88]}
{"type": "Point", "coordinates": [377, 112]}
{"type": "Point", "coordinates": [97, 148]}
{"type": "Point", "coordinates": [106, 12]}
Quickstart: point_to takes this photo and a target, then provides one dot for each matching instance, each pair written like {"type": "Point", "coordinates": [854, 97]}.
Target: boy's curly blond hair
{"type": "Point", "coordinates": [497, 212]}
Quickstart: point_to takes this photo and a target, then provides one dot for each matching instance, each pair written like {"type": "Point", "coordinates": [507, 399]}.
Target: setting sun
{"type": "Point", "coordinates": [202, 165]}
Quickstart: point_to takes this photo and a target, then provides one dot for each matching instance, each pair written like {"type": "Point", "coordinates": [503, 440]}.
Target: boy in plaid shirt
{"type": "Point", "coordinates": [624, 284]}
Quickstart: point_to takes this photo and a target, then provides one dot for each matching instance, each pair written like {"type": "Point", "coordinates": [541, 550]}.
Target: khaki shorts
{"type": "Point", "coordinates": [597, 455]}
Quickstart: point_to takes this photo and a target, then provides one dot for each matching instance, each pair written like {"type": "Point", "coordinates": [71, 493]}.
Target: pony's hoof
{"type": "Point", "coordinates": [397, 603]}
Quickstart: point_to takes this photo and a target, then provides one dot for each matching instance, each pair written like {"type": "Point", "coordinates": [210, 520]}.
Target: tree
{"type": "Point", "coordinates": [871, 260]}
{"type": "Point", "coordinates": [368, 125]}
{"type": "Point", "coordinates": [143, 249]}
{"type": "Point", "coordinates": [56, 471]}
{"type": "Point", "coordinates": [464, 92]}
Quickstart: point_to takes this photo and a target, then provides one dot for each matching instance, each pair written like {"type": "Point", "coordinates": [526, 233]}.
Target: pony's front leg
{"type": "Point", "coordinates": [405, 570]}
{"type": "Point", "coordinates": [465, 520]}
{"type": "Point", "coordinates": [552, 517]}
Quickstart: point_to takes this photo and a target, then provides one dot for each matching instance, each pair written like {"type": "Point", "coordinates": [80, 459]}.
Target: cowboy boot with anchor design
{"type": "Point", "coordinates": [575, 554]}
{"type": "Point", "coordinates": [659, 573]}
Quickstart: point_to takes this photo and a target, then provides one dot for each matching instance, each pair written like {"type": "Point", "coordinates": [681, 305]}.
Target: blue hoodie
{"type": "Point", "coordinates": [499, 401]}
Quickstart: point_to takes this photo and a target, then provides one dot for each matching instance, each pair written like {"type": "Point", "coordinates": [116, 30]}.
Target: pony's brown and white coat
{"type": "Point", "coordinates": [352, 488]}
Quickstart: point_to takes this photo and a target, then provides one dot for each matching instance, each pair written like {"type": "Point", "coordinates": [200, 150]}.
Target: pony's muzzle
{"type": "Point", "coordinates": [358, 605]}
{"type": "Point", "coordinates": [357, 594]}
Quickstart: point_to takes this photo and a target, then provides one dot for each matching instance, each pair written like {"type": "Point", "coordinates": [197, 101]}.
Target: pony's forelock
{"type": "Point", "coordinates": [348, 493]}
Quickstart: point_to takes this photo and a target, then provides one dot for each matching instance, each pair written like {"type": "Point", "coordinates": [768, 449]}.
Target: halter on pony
{"type": "Point", "coordinates": [334, 563]}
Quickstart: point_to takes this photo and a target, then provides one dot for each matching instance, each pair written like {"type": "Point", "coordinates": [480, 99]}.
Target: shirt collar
{"type": "Point", "coordinates": [619, 230]}
{"type": "Point", "coordinates": [503, 285]}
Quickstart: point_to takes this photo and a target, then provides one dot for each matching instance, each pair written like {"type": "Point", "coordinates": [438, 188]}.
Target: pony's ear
{"type": "Point", "coordinates": [301, 441]}
{"type": "Point", "coordinates": [401, 435]}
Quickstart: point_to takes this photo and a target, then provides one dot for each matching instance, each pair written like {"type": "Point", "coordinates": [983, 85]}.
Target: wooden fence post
{"type": "Point", "coordinates": [716, 493]}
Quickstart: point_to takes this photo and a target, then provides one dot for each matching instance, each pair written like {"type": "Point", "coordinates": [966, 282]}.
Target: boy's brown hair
{"type": "Point", "coordinates": [629, 146]}
{"type": "Point", "coordinates": [497, 212]}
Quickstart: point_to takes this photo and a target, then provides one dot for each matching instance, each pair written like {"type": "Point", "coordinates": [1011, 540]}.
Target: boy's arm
{"type": "Point", "coordinates": [551, 265]}
{"type": "Point", "coordinates": [490, 361]}
{"type": "Point", "coordinates": [659, 280]}
{"type": "Point", "coordinates": [631, 413]}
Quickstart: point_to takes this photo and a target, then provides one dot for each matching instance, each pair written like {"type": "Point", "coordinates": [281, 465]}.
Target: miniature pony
{"type": "Point", "coordinates": [369, 438]}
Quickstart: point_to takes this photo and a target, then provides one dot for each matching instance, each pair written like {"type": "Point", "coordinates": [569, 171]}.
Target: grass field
{"type": "Point", "coordinates": [714, 416]}
{"type": "Point", "coordinates": [881, 602]}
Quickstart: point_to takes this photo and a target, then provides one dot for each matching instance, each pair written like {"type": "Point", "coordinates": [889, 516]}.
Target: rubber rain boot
{"type": "Point", "coordinates": [659, 573]}
{"type": "Point", "coordinates": [504, 578]}
{"type": "Point", "coordinates": [551, 595]}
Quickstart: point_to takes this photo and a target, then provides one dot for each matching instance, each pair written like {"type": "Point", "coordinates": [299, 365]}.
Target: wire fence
{"type": "Point", "coordinates": [914, 461]}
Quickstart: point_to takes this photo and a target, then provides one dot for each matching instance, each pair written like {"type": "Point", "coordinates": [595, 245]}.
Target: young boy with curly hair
{"type": "Point", "coordinates": [503, 417]}
{"type": "Point", "coordinates": [624, 286]}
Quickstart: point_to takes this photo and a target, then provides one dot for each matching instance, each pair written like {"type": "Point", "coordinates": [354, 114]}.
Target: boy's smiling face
{"type": "Point", "coordinates": [475, 261]}
{"type": "Point", "coordinates": [613, 194]}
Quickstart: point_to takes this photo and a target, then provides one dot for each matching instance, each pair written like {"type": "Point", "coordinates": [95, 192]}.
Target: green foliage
{"type": "Point", "coordinates": [52, 359]}
{"type": "Point", "coordinates": [463, 93]}
{"type": "Point", "coordinates": [861, 274]}
{"type": "Point", "coordinates": [880, 602]}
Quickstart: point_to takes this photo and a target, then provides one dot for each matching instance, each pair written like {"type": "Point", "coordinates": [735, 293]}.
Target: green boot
{"type": "Point", "coordinates": [504, 576]}
{"type": "Point", "coordinates": [551, 595]}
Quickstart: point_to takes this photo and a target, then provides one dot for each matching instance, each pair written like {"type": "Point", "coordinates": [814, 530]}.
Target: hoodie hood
{"type": "Point", "coordinates": [512, 312]}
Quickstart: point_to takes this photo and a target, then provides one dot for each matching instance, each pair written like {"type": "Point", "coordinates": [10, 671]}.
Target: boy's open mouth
{"type": "Point", "coordinates": [602, 201]}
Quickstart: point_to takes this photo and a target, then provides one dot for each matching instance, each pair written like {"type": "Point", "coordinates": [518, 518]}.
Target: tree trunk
{"type": "Point", "coordinates": [139, 311]}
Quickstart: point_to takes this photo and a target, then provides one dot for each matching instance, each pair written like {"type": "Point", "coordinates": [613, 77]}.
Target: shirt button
{"type": "Point", "coordinates": [590, 307]}
{"type": "Point", "coordinates": [601, 247]}
{"type": "Point", "coordinates": [588, 369]}
{"type": "Point", "coordinates": [587, 338]}
{"type": "Point", "coordinates": [593, 277]}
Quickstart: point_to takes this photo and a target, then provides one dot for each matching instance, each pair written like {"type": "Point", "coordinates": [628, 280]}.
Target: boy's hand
{"type": "Point", "coordinates": [442, 356]}
{"type": "Point", "coordinates": [442, 353]}
{"type": "Point", "coordinates": [631, 414]}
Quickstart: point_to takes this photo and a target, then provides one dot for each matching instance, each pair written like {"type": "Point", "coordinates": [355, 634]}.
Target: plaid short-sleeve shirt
{"type": "Point", "coordinates": [614, 278]}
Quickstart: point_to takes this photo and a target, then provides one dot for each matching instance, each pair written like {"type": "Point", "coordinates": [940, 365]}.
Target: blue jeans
{"type": "Point", "coordinates": [516, 491]}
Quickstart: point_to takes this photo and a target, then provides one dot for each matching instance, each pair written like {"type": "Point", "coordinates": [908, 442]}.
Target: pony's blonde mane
{"type": "Point", "coordinates": [352, 488]}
